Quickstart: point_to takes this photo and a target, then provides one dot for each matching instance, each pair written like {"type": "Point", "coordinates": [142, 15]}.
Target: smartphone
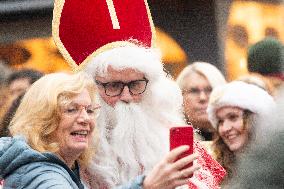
{"type": "Point", "coordinates": [182, 135]}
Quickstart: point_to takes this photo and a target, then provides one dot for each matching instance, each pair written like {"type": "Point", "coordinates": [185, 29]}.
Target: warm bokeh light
{"type": "Point", "coordinates": [248, 23]}
{"type": "Point", "coordinates": [40, 54]}
{"type": "Point", "coordinates": [43, 55]}
{"type": "Point", "coordinates": [174, 57]}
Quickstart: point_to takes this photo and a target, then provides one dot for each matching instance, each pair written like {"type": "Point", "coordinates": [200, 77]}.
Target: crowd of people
{"type": "Point", "coordinates": [107, 125]}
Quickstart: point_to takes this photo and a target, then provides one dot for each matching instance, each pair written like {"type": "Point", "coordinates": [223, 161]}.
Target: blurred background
{"type": "Point", "coordinates": [214, 31]}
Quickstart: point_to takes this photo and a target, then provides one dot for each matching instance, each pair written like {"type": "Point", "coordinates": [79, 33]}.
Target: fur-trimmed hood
{"type": "Point", "coordinates": [242, 95]}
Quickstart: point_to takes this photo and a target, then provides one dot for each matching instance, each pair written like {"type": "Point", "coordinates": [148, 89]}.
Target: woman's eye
{"type": "Point", "coordinates": [70, 110]}
{"type": "Point", "coordinates": [233, 117]}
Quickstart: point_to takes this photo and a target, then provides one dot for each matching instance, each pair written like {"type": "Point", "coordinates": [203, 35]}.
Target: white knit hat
{"type": "Point", "coordinates": [242, 95]}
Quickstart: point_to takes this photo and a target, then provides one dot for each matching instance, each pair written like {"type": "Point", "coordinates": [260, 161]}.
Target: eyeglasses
{"type": "Point", "coordinates": [196, 91]}
{"type": "Point", "coordinates": [76, 109]}
{"type": "Point", "coordinates": [135, 87]}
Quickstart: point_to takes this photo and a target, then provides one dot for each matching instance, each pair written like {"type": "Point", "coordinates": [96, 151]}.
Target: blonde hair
{"type": "Point", "coordinates": [38, 115]}
{"type": "Point", "coordinates": [209, 71]}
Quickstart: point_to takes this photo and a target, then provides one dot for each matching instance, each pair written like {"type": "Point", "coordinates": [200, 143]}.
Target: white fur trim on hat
{"type": "Point", "coordinates": [242, 95]}
{"type": "Point", "coordinates": [147, 61]}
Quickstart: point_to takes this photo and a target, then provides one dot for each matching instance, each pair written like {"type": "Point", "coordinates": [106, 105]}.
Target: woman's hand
{"type": "Point", "coordinates": [170, 173]}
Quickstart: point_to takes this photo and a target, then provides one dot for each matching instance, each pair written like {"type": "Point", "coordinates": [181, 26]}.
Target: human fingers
{"type": "Point", "coordinates": [187, 173]}
{"type": "Point", "coordinates": [172, 156]}
{"type": "Point", "coordinates": [182, 177]}
{"type": "Point", "coordinates": [181, 163]}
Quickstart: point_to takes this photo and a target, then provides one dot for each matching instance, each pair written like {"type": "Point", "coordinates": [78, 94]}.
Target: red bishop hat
{"type": "Point", "coordinates": [83, 28]}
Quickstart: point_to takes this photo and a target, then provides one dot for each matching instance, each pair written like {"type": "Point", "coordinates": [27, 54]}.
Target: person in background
{"type": "Point", "coordinates": [262, 164]}
{"type": "Point", "coordinates": [5, 100]}
{"type": "Point", "coordinates": [5, 71]}
{"type": "Point", "coordinates": [8, 116]}
{"type": "Point", "coordinates": [233, 110]}
{"type": "Point", "coordinates": [266, 57]}
{"type": "Point", "coordinates": [196, 81]}
{"type": "Point", "coordinates": [19, 81]}
{"type": "Point", "coordinates": [53, 134]}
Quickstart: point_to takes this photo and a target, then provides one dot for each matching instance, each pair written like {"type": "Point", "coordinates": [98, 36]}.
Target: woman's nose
{"type": "Point", "coordinates": [83, 116]}
{"type": "Point", "coordinates": [226, 126]}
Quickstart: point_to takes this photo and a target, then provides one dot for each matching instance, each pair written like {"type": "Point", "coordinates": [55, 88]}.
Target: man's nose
{"type": "Point", "coordinates": [126, 96]}
{"type": "Point", "coordinates": [203, 96]}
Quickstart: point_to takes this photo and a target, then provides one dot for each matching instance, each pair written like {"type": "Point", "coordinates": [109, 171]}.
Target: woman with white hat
{"type": "Point", "coordinates": [233, 109]}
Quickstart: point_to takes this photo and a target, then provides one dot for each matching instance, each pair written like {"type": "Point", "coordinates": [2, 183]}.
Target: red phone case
{"type": "Point", "coordinates": [182, 135]}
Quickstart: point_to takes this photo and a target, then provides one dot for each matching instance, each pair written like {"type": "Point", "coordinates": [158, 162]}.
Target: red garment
{"type": "Point", "coordinates": [211, 172]}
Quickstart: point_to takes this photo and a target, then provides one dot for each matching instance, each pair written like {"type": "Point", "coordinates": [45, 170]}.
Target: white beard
{"type": "Point", "coordinates": [130, 145]}
{"type": "Point", "coordinates": [133, 138]}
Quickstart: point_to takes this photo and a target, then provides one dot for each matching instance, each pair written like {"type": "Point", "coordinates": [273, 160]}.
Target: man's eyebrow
{"type": "Point", "coordinates": [113, 81]}
{"type": "Point", "coordinates": [119, 81]}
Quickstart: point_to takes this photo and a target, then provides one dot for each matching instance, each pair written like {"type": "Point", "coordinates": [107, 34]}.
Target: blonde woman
{"type": "Point", "coordinates": [53, 131]}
